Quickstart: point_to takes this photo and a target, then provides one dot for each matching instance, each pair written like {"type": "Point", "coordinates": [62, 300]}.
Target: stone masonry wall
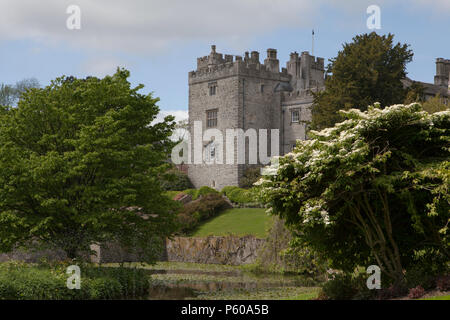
{"type": "Point", "coordinates": [229, 250]}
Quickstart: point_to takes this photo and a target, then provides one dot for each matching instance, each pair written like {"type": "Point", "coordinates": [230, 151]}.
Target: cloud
{"type": "Point", "coordinates": [102, 66]}
{"type": "Point", "coordinates": [178, 114]}
{"type": "Point", "coordinates": [146, 27]}
{"type": "Point", "coordinates": [143, 26]}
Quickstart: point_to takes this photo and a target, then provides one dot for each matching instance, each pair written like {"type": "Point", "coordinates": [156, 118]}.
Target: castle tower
{"type": "Point", "coordinates": [442, 72]}
{"type": "Point", "coordinates": [271, 62]}
{"type": "Point", "coordinates": [228, 92]}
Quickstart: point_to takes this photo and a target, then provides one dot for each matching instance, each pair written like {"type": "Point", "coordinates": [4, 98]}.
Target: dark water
{"type": "Point", "coordinates": [171, 293]}
{"type": "Point", "coordinates": [191, 289]}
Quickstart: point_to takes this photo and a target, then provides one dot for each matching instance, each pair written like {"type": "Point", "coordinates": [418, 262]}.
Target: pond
{"type": "Point", "coordinates": [171, 280]}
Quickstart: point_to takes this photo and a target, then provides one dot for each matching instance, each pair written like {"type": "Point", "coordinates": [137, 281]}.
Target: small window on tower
{"type": "Point", "coordinates": [211, 118]}
{"type": "Point", "coordinates": [295, 116]}
{"type": "Point", "coordinates": [212, 88]}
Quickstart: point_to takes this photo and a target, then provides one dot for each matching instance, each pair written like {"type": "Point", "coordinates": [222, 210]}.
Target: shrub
{"type": "Point", "coordinates": [341, 287]}
{"type": "Point", "coordinates": [19, 281]}
{"type": "Point", "coordinates": [279, 254]}
{"type": "Point", "coordinates": [393, 291]}
{"type": "Point", "coordinates": [202, 191]}
{"type": "Point", "coordinates": [360, 285]}
{"type": "Point", "coordinates": [251, 175]}
{"type": "Point", "coordinates": [239, 195]}
{"type": "Point", "coordinates": [417, 292]}
{"type": "Point", "coordinates": [420, 276]}
{"type": "Point", "coordinates": [172, 194]}
{"type": "Point", "coordinates": [201, 209]}
{"type": "Point", "coordinates": [175, 180]}
{"type": "Point", "coordinates": [427, 266]}
{"type": "Point", "coordinates": [443, 283]}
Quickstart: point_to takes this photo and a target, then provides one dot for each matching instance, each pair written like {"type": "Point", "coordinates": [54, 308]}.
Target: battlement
{"type": "Point", "coordinates": [220, 65]}
{"type": "Point", "coordinates": [316, 63]}
{"type": "Point", "coordinates": [442, 60]}
{"type": "Point", "coordinates": [442, 77]}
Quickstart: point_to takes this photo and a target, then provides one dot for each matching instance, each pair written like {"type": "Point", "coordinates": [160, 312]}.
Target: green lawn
{"type": "Point", "coordinates": [238, 221]}
{"type": "Point", "coordinates": [447, 297]}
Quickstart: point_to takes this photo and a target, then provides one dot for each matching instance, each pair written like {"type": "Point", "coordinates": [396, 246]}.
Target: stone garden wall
{"type": "Point", "coordinates": [231, 250]}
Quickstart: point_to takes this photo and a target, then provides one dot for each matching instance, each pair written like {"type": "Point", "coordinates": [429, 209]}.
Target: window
{"type": "Point", "coordinates": [212, 88]}
{"type": "Point", "coordinates": [295, 116]}
{"type": "Point", "coordinates": [211, 118]}
{"type": "Point", "coordinates": [262, 88]}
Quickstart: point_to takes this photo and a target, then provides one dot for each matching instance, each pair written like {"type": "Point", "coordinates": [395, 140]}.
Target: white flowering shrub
{"type": "Point", "coordinates": [370, 190]}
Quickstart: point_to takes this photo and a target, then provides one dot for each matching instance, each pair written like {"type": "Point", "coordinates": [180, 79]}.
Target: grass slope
{"type": "Point", "coordinates": [238, 221]}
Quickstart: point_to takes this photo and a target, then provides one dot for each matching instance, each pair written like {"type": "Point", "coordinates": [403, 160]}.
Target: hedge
{"type": "Point", "coordinates": [195, 212]}
{"type": "Point", "coordinates": [21, 281]}
{"type": "Point", "coordinates": [239, 195]}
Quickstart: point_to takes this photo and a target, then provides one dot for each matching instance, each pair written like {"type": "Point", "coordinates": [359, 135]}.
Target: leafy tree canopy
{"type": "Point", "coordinates": [365, 71]}
{"type": "Point", "coordinates": [79, 163]}
{"type": "Point", "coordinates": [373, 189]}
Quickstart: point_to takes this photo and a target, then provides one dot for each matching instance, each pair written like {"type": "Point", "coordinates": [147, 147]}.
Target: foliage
{"type": "Point", "coordinates": [174, 180]}
{"type": "Point", "coordinates": [239, 195]}
{"type": "Point", "coordinates": [200, 210]}
{"type": "Point", "coordinates": [20, 281]}
{"type": "Point", "coordinates": [427, 266]}
{"type": "Point", "coordinates": [172, 194]}
{"type": "Point", "coordinates": [10, 94]}
{"type": "Point", "coordinates": [340, 287]}
{"type": "Point", "coordinates": [365, 71]}
{"type": "Point", "coordinates": [250, 176]}
{"type": "Point", "coordinates": [202, 191]}
{"type": "Point", "coordinates": [417, 292]}
{"type": "Point", "coordinates": [443, 282]}
{"type": "Point", "coordinates": [371, 190]}
{"type": "Point", "coordinates": [393, 291]}
{"type": "Point", "coordinates": [278, 256]}
{"type": "Point", "coordinates": [79, 163]}
{"type": "Point", "coordinates": [434, 105]}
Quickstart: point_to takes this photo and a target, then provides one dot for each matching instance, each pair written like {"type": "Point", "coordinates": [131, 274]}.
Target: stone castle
{"type": "Point", "coordinates": [235, 92]}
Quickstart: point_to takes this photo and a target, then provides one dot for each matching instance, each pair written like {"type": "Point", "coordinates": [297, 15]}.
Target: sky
{"type": "Point", "coordinates": [159, 40]}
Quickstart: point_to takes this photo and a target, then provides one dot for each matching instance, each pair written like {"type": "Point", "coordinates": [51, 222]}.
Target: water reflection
{"type": "Point", "coordinates": [185, 289]}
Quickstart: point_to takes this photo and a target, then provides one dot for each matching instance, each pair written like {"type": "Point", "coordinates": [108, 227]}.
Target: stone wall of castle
{"type": "Point", "coordinates": [244, 98]}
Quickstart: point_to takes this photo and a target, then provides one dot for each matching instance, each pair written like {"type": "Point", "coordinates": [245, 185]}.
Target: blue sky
{"type": "Point", "coordinates": [159, 41]}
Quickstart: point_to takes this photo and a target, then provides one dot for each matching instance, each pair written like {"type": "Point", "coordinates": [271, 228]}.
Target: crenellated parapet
{"type": "Point", "coordinates": [217, 65]}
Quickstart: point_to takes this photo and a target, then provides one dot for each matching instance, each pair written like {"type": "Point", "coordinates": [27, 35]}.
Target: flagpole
{"type": "Point", "coordinates": [312, 51]}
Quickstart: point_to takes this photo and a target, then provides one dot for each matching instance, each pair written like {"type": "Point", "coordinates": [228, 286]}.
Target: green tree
{"type": "Point", "coordinates": [373, 189]}
{"type": "Point", "coordinates": [434, 105]}
{"type": "Point", "coordinates": [79, 163]}
{"type": "Point", "coordinates": [7, 95]}
{"type": "Point", "coordinates": [365, 71]}
{"type": "Point", "coordinates": [10, 94]}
